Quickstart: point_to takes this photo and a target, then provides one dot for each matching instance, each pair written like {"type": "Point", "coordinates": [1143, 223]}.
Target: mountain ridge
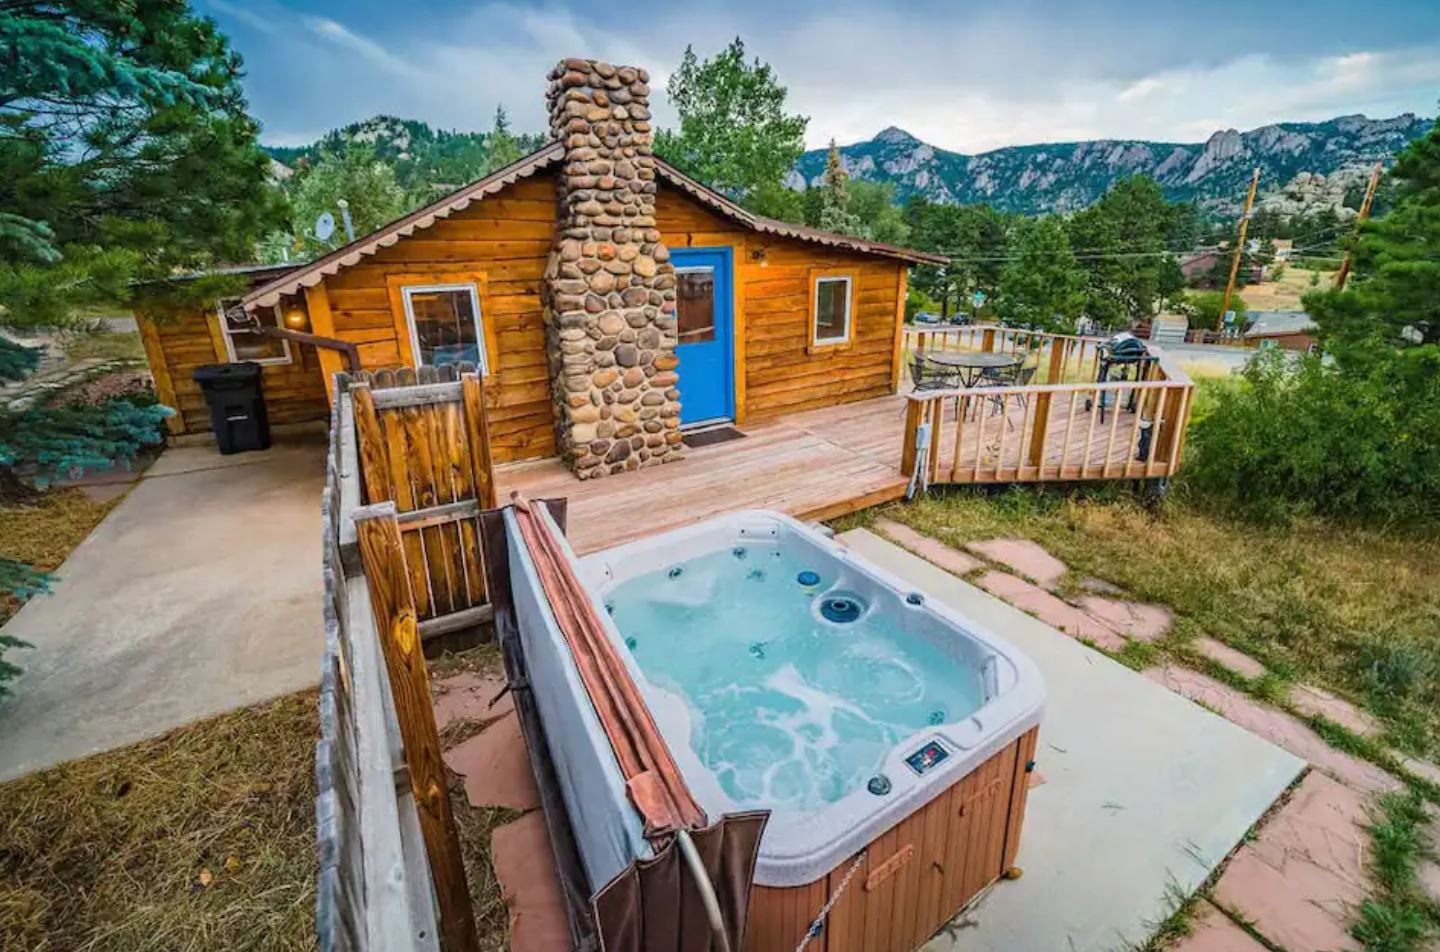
{"type": "Point", "coordinates": [1303, 165]}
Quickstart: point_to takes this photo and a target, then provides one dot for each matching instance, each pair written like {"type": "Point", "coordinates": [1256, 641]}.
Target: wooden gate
{"type": "Point", "coordinates": [422, 442]}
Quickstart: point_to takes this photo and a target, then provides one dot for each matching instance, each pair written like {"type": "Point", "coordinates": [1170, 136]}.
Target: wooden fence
{"type": "Point", "coordinates": [408, 472]}
{"type": "Point", "coordinates": [1067, 427]}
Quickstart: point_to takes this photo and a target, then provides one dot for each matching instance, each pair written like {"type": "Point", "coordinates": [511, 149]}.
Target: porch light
{"type": "Point", "coordinates": [759, 256]}
{"type": "Point", "coordinates": [296, 318]}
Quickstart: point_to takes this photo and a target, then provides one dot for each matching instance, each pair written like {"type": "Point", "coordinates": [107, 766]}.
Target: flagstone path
{"type": "Point", "coordinates": [1298, 883]}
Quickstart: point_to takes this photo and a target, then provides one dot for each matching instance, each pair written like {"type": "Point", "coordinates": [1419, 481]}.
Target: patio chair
{"type": "Point", "coordinates": [926, 375]}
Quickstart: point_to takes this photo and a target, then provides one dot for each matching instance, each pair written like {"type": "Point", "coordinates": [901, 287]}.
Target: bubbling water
{"type": "Point", "coordinates": [788, 710]}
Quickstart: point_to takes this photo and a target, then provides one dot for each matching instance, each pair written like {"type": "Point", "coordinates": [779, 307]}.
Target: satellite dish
{"type": "Point", "coordinates": [325, 226]}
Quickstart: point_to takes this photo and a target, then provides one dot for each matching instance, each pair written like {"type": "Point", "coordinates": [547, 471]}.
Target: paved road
{"type": "Point", "coordinates": [199, 593]}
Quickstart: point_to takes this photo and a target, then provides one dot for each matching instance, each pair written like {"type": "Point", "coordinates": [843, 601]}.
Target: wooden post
{"type": "Point", "coordinates": [1239, 249]}
{"type": "Point", "coordinates": [160, 372]}
{"type": "Point", "coordinates": [1344, 271]}
{"type": "Point", "coordinates": [914, 411]}
{"type": "Point", "coordinates": [370, 445]}
{"type": "Point", "coordinates": [987, 339]}
{"type": "Point", "coordinates": [477, 434]}
{"type": "Point", "coordinates": [1058, 346]}
{"type": "Point", "coordinates": [1035, 453]}
{"type": "Point", "coordinates": [322, 322]}
{"type": "Point", "coordinates": [388, 581]}
{"type": "Point", "coordinates": [898, 355]}
{"type": "Point", "coordinates": [932, 459]}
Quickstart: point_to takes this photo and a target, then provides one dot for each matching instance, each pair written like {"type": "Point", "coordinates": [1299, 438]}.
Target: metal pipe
{"type": "Point", "coordinates": [707, 889]}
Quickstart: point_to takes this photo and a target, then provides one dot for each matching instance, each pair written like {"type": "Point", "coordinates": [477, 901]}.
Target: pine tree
{"type": "Point", "coordinates": [500, 145]}
{"type": "Point", "coordinates": [125, 153]}
{"type": "Point", "coordinates": [835, 214]}
{"type": "Point", "coordinates": [1042, 287]}
{"type": "Point", "coordinates": [1392, 300]}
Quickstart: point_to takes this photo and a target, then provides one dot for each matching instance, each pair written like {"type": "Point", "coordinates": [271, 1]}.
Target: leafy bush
{"type": "Point", "coordinates": [69, 440]}
{"type": "Point", "coordinates": [1311, 437]}
{"type": "Point", "coordinates": [16, 360]}
{"type": "Point", "coordinates": [1203, 311]}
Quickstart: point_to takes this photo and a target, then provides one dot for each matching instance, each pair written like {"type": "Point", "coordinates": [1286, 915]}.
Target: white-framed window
{"type": "Point", "coordinates": [242, 343]}
{"type": "Point", "coordinates": [830, 318]}
{"type": "Point", "coordinates": [445, 324]}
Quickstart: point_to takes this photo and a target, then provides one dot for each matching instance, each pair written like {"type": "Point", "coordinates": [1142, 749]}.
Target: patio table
{"type": "Point", "coordinates": [970, 365]}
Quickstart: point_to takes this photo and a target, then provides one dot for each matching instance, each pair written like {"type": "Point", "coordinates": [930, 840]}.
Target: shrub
{"type": "Point", "coordinates": [1204, 308]}
{"type": "Point", "coordinates": [17, 360]}
{"type": "Point", "coordinates": [43, 442]}
{"type": "Point", "coordinates": [1308, 436]}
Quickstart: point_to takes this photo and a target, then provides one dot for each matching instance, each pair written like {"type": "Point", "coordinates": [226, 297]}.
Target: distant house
{"type": "Point", "coordinates": [1284, 248]}
{"type": "Point", "coordinates": [1290, 330]}
{"type": "Point", "coordinates": [1201, 267]}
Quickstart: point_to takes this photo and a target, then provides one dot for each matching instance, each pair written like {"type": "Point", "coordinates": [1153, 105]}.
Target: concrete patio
{"type": "Point", "coordinates": [199, 593]}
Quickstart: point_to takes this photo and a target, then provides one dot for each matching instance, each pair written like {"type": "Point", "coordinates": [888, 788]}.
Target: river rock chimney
{"type": "Point", "coordinates": [609, 285]}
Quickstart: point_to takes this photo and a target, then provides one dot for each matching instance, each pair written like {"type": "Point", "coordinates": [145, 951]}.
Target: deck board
{"type": "Point", "coordinates": [817, 464]}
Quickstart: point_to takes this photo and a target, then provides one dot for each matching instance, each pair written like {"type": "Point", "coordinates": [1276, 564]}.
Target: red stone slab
{"type": "Point", "coordinates": [1050, 609]}
{"type": "Point", "coordinates": [495, 767]}
{"type": "Point", "coordinates": [931, 550]}
{"type": "Point", "coordinates": [1277, 726]}
{"type": "Point", "coordinates": [529, 885]}
{"type": "Point", "coordinates": [1213, 931]}
{"type": "Point", "coordinates": [1136, 620]}
{"type": "Point", "coordinates": [1024, 557]}
{"type": "Point", "coordinates": [1317, 702]}
{"type": "Point", "coordinates": [1227, 657]}
{"type": "Point", "coordinates": [1300, 881]}
{"type": "Point", "coordinates": [467, 695]}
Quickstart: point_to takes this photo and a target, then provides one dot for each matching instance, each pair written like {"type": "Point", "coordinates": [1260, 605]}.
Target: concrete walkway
{"type": "Point", "coordinates": [1145, 792]}
{"type": "Point", "coordinates": [199, 593]}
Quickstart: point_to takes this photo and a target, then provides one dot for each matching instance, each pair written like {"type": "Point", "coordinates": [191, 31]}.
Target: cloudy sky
{"type": "Point", "coordinates": [964, 76]}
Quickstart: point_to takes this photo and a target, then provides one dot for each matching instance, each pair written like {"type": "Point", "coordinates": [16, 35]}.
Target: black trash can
{"type": "Point", "coordinates": [237, 405]}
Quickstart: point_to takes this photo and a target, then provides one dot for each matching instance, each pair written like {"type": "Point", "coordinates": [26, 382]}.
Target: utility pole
{"type": "Point", "coordinates": [1344, 271]}
{"type": "Point", "coordinates": [1239, 250]}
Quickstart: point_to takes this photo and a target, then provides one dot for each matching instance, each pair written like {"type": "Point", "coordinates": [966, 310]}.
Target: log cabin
{"type": "Point", "coordinates": [611, 302]}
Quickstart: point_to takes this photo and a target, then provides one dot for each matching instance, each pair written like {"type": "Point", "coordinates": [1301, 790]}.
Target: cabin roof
{"type": "Point", "coordinates": [309, 275]}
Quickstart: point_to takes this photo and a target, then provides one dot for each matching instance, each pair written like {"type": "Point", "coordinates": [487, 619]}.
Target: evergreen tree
{"type": "Point", "coordinates": [873, 203]}
{"type": "Point", "coordinates": [1123, 244]}
{"type": "Point", "coordinates": [1042, 287]}
{"type": "Point", "coordinates": [735, 134]}
{"type": "Point", "coordinates": [500, 145]}
{"type": "Point", "coordinates": [974, 237]}
{"type": "Point", "coordinates": [125, 153]}
{"type": "Point", "coordinates": [835, 214]}
{"type": "Point", "coordinates": [1391, 304]}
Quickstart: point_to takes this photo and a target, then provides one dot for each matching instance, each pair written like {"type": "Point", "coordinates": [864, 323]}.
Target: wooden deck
{"type": "Point", "coordinates": [818, 464]}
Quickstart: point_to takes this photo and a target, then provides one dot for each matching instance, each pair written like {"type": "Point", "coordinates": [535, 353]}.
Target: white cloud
{"type": "Point", "coordinates": [989, 78]}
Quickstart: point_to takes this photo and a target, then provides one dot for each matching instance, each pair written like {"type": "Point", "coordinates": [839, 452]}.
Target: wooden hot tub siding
{"type": "Point", "coordinates": [916, 876]}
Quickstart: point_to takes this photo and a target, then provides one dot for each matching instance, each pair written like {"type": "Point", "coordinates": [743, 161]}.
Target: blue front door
{"type": "Point", "coordinates": [704, 306]}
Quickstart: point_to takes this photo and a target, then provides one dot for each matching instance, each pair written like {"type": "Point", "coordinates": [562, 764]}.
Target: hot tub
{"type": "Point", "coordinates": [889, 736]}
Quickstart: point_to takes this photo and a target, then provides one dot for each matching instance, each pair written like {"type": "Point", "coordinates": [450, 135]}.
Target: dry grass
{"type": "Point", "coordinates": [1351, 608]}
{"type": "Point", "coordinates": [105, 346]}
{"type": "Point", "coordinates": [200, 839]}
{"type": "Point", "coordinates": [43, 531]}
{"type": "Point", "coordinates": [1284, 294]}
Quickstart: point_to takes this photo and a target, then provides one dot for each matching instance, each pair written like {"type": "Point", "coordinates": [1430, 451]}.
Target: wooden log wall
{"type": "Point", "coordinates": [506, 238]}
{"type": "Point", "coordinates": [913, 878]}
{"type": "Point", "coordinates": [426, 448]}
{"type": "Point", "coordinates": [780, 371]}
{"type": "Point", "coordinates": [294, 392]}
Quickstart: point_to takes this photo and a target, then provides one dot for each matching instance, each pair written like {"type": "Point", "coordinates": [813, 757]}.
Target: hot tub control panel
{"type": "Point", "coordinates": [932, 754]}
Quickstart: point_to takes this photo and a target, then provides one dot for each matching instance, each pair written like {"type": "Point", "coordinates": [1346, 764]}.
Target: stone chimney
{"type": "Point", "coordinates": [609, 285]}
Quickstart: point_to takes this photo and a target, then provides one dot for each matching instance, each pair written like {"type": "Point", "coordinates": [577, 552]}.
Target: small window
{"type": "Point", "coordinates": [445, 325]}
{"type": "Point", "coordinates": [832, 310]}
{"type": "Point", "coordinates": [241, 341]}
{"type": "Point", "coordinates": [695, 305]}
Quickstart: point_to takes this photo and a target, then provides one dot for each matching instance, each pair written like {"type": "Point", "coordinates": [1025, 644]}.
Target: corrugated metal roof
{"type": "Point", "coordinates": [1272, 323]}
{"type": "Point", "coordinates": [316, 271]}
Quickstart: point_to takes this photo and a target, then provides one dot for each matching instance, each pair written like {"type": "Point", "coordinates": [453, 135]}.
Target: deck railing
{"type": "Point", "coordinates": [1058, 358]}
{"type": "Point", "coordinates": [1066, 428]}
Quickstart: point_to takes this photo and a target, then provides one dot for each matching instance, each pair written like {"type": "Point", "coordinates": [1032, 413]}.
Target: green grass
{"type": "Point", "coordinates": [1355, 609]}
{"type": "Point", "coordinates": [104, 346]}
{"type": "Point", "coordinates": [1399, 917]}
